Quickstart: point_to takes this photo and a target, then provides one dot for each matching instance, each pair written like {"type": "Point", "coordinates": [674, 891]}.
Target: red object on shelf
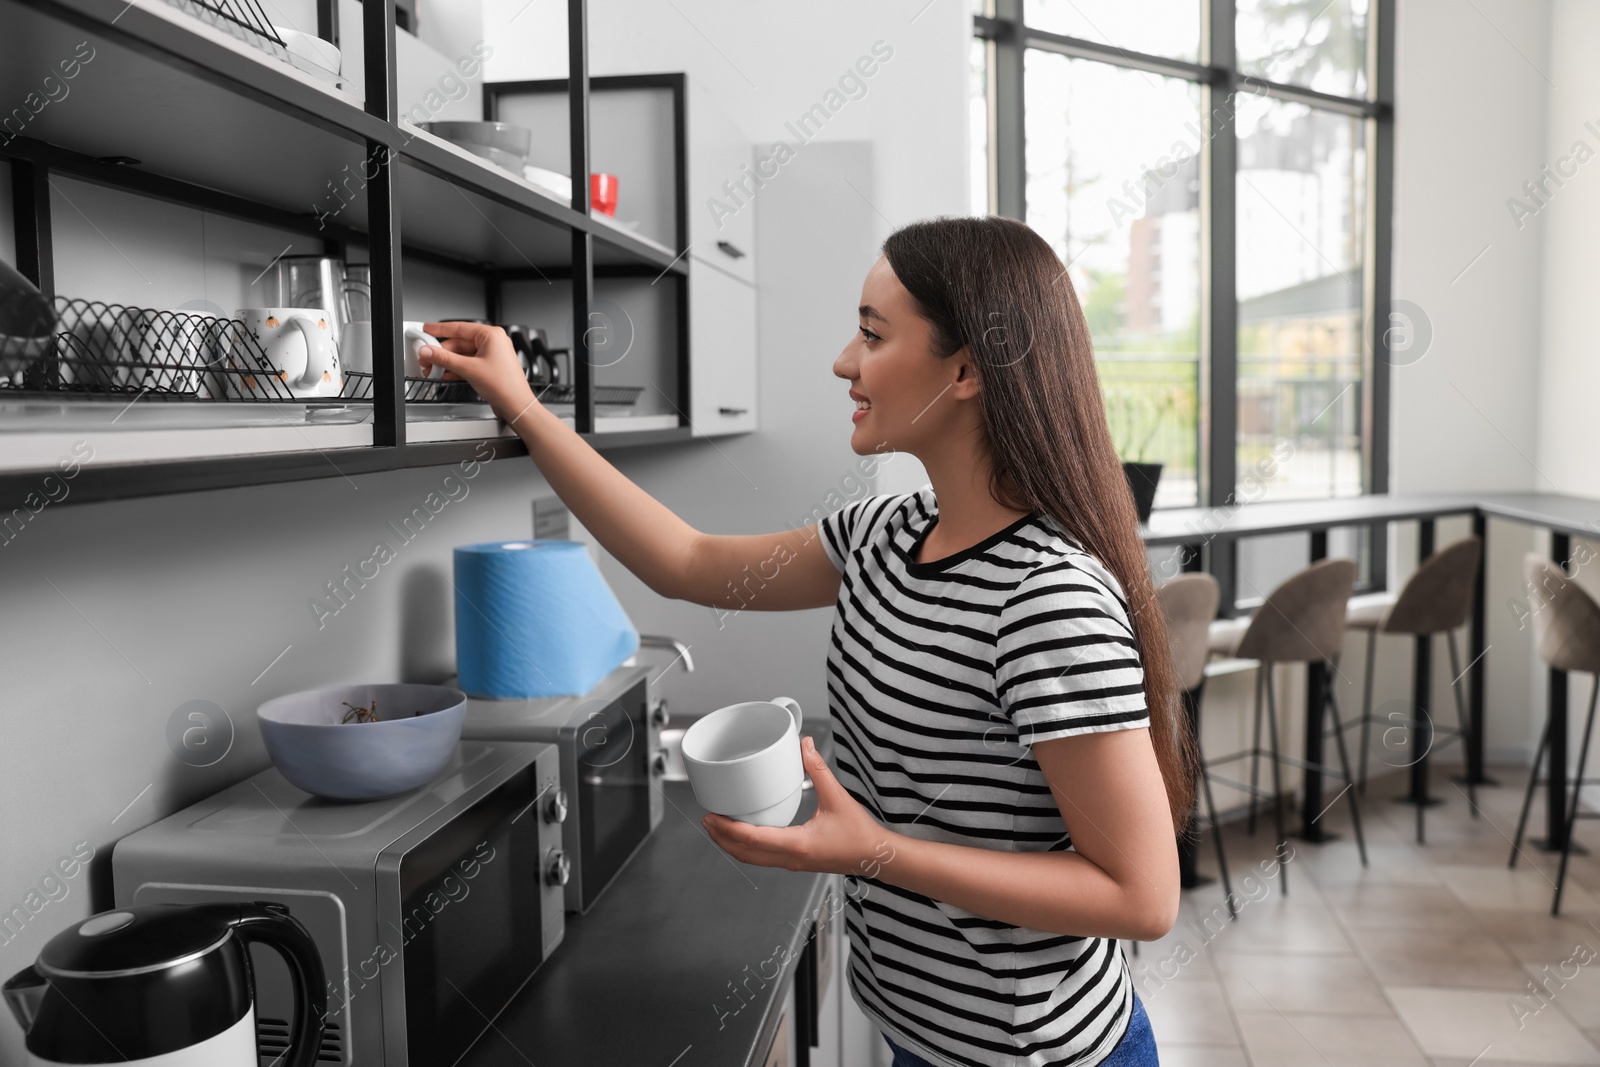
{"type": "Point", "coordinates": [603, 193]}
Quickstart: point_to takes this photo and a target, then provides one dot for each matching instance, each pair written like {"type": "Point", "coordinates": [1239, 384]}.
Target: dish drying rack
{"type": "Point", "coordinates": [113, 350]}
{"type": "Point", "coordinates": [244, 19]}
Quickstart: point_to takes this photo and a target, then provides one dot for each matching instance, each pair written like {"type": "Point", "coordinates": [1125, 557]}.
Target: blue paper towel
{"type": "Point", "coordinates": [535, 619]}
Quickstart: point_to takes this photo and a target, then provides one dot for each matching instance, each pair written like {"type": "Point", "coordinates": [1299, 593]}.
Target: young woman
{"type": "Point", "coordinates": [1011, 760]}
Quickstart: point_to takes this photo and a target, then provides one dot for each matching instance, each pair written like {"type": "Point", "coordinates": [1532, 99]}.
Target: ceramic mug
{"type": "Point", "coordinates": [199, 346]}
{"type": "Point", "coordinates": [744, 761]}
{"type": "Point", "coordinates": [356, 348]}
{"type": "Point", "coordinates": [299, 347]}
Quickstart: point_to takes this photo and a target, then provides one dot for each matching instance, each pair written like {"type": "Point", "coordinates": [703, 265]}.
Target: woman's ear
{"type": "Point", "coordinates": [964, 384]}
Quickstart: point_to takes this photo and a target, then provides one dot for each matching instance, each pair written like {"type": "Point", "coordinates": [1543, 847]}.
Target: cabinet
{"type": "Point", "coordinates": [722, 331]}
{"type": "Point", "coordinates": [724, 184]}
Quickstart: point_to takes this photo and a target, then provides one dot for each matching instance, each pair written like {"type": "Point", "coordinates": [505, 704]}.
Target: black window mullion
{"type": "Point", "coordinates": [1380, 237]}
{"type": "Point", "coordinates": [1219, 408]}
{"type": "Point", "coordinates": [1009, 135]}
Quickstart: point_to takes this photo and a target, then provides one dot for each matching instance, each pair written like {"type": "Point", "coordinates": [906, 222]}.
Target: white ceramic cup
{"type": "Point", "coordinates": [744, 761]}
{"type": "Point", "coordinates": [298, 343]}
{"type": "Point", "coordinates": [356, 348]}
{"type": "Point", "coordinates": [416, 338]}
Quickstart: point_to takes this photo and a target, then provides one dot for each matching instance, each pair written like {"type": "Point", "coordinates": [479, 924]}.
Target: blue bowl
{"type": "Point", "coordinates": [417, 730]}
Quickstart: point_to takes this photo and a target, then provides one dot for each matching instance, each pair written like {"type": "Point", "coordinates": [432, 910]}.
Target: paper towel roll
{"type": "Point", "coordinates": [535, 619]}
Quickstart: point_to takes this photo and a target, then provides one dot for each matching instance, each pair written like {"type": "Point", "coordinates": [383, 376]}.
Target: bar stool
{"type": "Point", "coordinates": [1437, 598]}
{"type": "Point", "coordinates": [1566, 628]}
{"type": "Point", "coordinates": [1301, 621]}
{"type": "Point", "coordinates": [1189, 602]}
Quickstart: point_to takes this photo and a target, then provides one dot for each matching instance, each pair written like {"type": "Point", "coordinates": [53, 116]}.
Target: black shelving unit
{"type": "Point", "coordinates": [175, 115]}
{"type": "Point", "coordinates": [676, 85]}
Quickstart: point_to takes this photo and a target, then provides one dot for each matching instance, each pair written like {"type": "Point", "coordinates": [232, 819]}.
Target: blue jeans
{"type": "Point", "coordinates": [1136, 1049]}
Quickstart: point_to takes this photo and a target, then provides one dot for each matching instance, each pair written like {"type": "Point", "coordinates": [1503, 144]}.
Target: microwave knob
{"type": "Point", "coordinates": [658, 716]}
{"type": "Point", "coordinates": [658, 762]}
{"type": "Point", "coordinates": [558, 869]}
{"type": "Point", "coordinates": [555, 808]}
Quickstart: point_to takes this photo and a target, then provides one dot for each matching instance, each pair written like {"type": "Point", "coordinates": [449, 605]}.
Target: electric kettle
{"type": "Point", "coordinates": [165, 985]}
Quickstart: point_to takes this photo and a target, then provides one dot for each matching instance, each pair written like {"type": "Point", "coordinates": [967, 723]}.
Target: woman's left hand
{"type": "Point", "coordinates": [841, 838]}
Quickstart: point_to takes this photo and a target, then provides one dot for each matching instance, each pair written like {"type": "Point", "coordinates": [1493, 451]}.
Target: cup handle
{"type": "Point", "coordinates": [319, 351]}
{"type": "Point", "coordinates": [793, 708]}
{"type": "Point", "coordinates": [435, 372]}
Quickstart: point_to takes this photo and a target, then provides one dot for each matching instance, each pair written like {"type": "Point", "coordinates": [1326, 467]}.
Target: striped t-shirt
{"type": "Point", "coordinates": [940, 677]}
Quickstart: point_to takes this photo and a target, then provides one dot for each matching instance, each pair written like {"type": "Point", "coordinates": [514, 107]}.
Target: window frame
{"type": "Point", "coordinates": [1007, 39]}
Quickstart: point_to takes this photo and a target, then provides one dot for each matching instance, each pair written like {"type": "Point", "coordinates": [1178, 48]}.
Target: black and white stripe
{"type": "Point", "coordinates": [940, 677]}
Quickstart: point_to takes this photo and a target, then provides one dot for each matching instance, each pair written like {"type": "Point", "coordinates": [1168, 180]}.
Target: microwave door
{"type": "Point", "coordinates": [613, 762]}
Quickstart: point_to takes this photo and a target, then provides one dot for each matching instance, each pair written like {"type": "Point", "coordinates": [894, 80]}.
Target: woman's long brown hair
{"type": "Point", "coordinates": [994, 286]}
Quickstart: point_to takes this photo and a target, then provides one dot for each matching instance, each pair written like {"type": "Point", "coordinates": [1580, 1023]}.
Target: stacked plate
{"type": "Point", "coordinates": [310, 53]}
{"type": "Point", "coordinates": [500, 143]}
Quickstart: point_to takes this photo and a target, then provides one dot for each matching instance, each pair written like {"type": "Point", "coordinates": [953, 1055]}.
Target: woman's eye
{"type": "Point", "coordinates": [868, 335]}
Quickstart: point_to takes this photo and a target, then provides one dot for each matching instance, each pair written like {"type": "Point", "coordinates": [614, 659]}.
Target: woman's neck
{"type": "Point", "coordinates": [968, 511]}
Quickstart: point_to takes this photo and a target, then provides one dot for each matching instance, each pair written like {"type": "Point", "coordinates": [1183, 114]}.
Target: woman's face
{"type": "Point", "coordinates": [905, 395]}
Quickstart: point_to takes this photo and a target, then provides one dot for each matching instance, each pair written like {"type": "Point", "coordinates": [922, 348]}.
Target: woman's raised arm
{"type": "Point", "coordinates": [780, 571]}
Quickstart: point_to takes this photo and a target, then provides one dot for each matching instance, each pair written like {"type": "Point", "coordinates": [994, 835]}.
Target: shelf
{"type": "Point", "coordinates": [459, 205]}
{"type": "Point", "coordinates": [172, 108]}
{"type": "Point", "coordinates": [180, 435]}
{"type": "Point", "coordinates": [106, 477]}
{"type": "Point", "coordinates": [150, 92]}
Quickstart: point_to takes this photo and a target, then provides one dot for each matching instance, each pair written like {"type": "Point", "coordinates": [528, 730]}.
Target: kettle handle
{"type": "Point", "coordinates": [269, 923]}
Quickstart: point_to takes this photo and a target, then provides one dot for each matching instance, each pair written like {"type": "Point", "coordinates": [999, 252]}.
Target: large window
{"type": "Point", "coordinates": [1215, 177]}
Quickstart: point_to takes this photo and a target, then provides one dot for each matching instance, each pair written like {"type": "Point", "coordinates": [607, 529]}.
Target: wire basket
{"type": "Point", "coordinates": [111, 350]}
{"type": "Point", "coordinates": [358, 386]}
{"type": "Point", "coordinates": [567, 393]}
{"type": "Point", "coordinates": [246, 19]}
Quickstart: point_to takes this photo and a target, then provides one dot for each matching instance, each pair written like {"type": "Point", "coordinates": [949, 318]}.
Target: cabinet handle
{"type": "Point", "coordinates": [733, 411]}
{"type": "Point", "coordinates": [730, 249]}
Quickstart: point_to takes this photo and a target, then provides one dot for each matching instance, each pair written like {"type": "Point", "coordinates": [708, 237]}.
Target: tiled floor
{"type": "Point", "coordinates": [1424, 958]}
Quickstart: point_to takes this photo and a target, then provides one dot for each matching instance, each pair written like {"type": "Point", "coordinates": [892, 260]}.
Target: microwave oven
{"type": "Point", "coordinates": [430, 909]}
{"type": "Point", "coordinates": [612, 766]}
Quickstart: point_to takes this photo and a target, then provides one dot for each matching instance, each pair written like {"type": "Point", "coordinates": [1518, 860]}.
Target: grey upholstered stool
{"type": "Point", "coordinates": [1436, 599]}
{"type": "Point", "coordinates": [1566, 626]}
{"type": "Point", "coordinates": [1189, 602]}
{"type": "Point", "coordinates": [1301, 621]}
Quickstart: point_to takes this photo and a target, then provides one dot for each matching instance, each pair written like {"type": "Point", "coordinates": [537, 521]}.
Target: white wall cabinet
{"type": "Point", "coordinates": [722, 190]}
{"type": "Point", "coordinates": [722, 347]}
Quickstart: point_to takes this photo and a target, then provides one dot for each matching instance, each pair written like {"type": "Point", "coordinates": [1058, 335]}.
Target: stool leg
{"type": "Point", "coordinates": [1255, 749]}
{"type": "Point", "coordinates": [1277, 784]}
{"type": "Point", "coordinates": [1366, 704]}
{"type": "Point", "coordinates": [1456, 675]}
{"type": "Point", "coordinates": [1350, 785]}
{"type": "Point", "coordinates": [1577, 791]}
{"type": "Point", "coordinates": [1527, 798]}
{"type": "Point", "coordinates": [1216, 835]}
{"type": "Point", "coordinates": [1196, 700]}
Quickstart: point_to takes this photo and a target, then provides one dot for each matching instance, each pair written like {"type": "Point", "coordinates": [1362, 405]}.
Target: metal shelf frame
{"type": "Point", "coordinates": [390, 151]}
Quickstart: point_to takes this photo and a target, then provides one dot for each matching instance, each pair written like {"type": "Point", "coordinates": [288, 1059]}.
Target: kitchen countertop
{"type": "Point", "coordinates": [648, 977]}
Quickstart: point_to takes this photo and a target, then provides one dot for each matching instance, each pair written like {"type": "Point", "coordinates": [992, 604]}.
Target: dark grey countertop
{"type": "Point", "coordinates": [649, 977]}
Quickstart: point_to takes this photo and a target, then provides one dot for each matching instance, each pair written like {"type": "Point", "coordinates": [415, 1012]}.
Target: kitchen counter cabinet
{"type": "Point", "coordinates": [680, 964]}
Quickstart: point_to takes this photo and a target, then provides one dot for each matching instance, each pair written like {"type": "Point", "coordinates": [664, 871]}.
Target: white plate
{"type": "Point", "coordinates": [311, 53]}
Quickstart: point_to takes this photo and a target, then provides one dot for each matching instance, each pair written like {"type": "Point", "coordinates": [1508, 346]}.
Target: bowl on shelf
{"type": "Point", "coordinates": [322, 744]}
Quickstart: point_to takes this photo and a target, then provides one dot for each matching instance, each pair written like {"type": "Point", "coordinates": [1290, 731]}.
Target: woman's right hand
{"type": "Point", "coordinates": [483, 357]}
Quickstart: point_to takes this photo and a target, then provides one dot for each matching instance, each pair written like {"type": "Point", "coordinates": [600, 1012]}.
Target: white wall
{"type": "Point", "coordinates": [1569, 380]}
{"type": "Point", "coordinates": [1470, 93]}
